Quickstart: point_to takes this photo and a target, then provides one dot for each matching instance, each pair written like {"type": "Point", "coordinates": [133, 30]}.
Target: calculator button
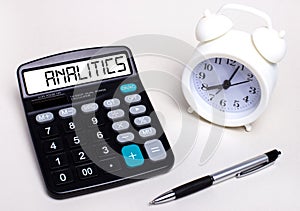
{"type": "Point", "coordinates": [87, 171]}
{"type": "Point", "coordinates": [70, 126]}
{"type": "Point", "coordinates": [127, 88]}
{"type": "Point", "coordinates": [111, 103]}
{"type": "Point", "coordinates": [48, 131]}
{"type": "Point", "coordinates": [79, 156]}
{"type": "Point", "coordinates": [89, 108]}
{"type": "Point", "coordinates": [44, 117]}
{"type": "Point", "coordinates": [54, 145]}
{"type": "Point", "coordinates": [110, 165]}
{"type": "Point", "coordinates": [102, 150]}
{"type": "Point", "coordinates": [116, 114]}
{"type": "Point", "coordinates": [75, 140]}
{"type": "Point", "coordinates": [120, 126]}
{"type": "Point", "coordinates": [97, 135]}
{"type": "Point", "coordinates": [155, 150]}
{"type": "Point", "coordinates": [67, 112]}
{"type": "Point", "coordinates": [94, 121]}
{"type": "Point", "coordinates": [136, 110]}
{"type": "Point", "coordinates": [132, 155]}
{"type": "Point", "coordinates": [142, 121]}
{"type": "Point", "coordinates": [147, 132]}
{"type": "Point", "coordinates": [125, 137]}
{"type": "Point", "coordinates": [57, 161]}
{"type": "Point", "coordinates": [135, 98]}
{"type": "Point", "coordinates": [62, 177]}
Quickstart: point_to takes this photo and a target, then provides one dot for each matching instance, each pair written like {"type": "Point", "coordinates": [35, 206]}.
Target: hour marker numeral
{"type": "Point", "coordinates": [211, 97]}
{"type": "Point", "coordinates": [250, 76]}
{"type": "Point", "coordinates": [208, 67]}
{"type": "Point", "coordinates": [204, 87]}
{"type": "Point", "coordinates": [246, 99]}
{"type": "Point", "coordinates": [223, 102]}
{"type": "Point", "coordinates": [201, 75]}
{"type": "Point", "coordinates": [234, 64]}
{"type": "Point", "coordinates": [218, 60]}
{"type": "Point", "coordinates": [252, 90]}
{"type": "Point", "coordinates": [231, 62]}
{"type": "Point", "coordinates": [236, 103]}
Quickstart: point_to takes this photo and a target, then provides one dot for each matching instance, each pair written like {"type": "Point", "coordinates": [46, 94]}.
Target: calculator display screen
{"type": "Point", "coordinates": [75, 73]}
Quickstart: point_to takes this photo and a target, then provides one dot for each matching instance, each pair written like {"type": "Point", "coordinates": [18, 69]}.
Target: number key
{"type": "Point", "coordinates": [76, 140]}
{"type": "Point", "coordinates": [93, 121]}
{"type": "Point", "coordinates": [79, 156]}
{"type": "Point", "coordinates": [57, 161]}
{"type": "Point", "coordinates": [54, 145]}
{"type": "Point", "coordinates": [48, 131]}
{"type": "Point", "coordinates": [62, 177]}
{"type": "Point", "coordinates": [98, 135]}
{"type": "Point", "coordinates": [87, 171]}
{"type": "Point", "coordinates": [103, 150]}
{"type": "Point", "coordinates": [70, 126]}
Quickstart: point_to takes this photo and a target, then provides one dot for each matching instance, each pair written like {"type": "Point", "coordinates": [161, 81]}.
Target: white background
{"type": "Point", "coordinates": [33, 29]}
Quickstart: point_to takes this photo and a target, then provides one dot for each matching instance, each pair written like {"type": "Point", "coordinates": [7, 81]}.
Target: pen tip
{"type": "Point", "coordinates": [151, 203]}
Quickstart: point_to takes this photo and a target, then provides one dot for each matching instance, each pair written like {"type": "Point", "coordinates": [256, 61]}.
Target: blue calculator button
{"type": "Point", "coordinates": [132, 155]}
{"type": "Point", "coordinates": [128, 88]}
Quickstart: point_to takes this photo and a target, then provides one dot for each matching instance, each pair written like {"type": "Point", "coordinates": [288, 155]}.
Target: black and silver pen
{"type": "Point", "coordinates": [240, 170]}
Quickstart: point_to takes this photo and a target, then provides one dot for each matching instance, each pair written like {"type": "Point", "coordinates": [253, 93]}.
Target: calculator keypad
{"type": "Point", "coordinates": [101, 141]}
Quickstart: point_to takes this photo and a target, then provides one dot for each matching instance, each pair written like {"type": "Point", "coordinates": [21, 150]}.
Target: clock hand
{"type": "Point", "coordinates": [226, 84]}
{"type": "Point", "coordinates": [243, 82]}
{"type": "Point", "coordinates": [218, 92]}
{"type": "Point", "coordinates": [219, 86]}
{"type": "Point", "coordinates": [233, 74]}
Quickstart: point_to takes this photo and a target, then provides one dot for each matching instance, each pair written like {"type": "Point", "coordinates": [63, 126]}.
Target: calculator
{"type": "Point", "coordinates": [91, 121]}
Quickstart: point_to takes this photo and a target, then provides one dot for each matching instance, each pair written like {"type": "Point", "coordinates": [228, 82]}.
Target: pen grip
{"type": "Point", "coordinates": [193, 186]}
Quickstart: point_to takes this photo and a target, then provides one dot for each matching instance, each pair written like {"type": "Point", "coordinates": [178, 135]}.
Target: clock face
{"type": "Point", "coordinates": [226, 85]}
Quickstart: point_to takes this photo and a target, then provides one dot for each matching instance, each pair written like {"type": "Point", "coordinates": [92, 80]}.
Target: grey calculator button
{"type": "Point", "coordinates": [111, 103]}
{"type": "Point", "coordinates": [44, 117]}
{"type": "Point", "coordinates": [134, 98]}
{"type": "Point", "coordinates": [89, 108]}
{"type": "Point", "coordinates": [116, 114]}
{"type": "Point", "coordinates": [155, 150]}
{"type": "Point", "coordinates": [120, 126]}
{"type": "Point", "coordinates": [67, 112]}
{"type": "Point", "coordinates": [125, 137]}
{"type": "Point", "coordinates": [136, 110]}
{"type": "Point", "coordinates": [147, 132]}
{"type": "Point", "coordinates": [143, 120]}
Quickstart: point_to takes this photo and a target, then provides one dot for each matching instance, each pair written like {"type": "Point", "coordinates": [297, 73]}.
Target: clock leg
{"type": "Point", "coordinates": [190, 110]}
{"type": "Point", "coordinates": [248, 127]}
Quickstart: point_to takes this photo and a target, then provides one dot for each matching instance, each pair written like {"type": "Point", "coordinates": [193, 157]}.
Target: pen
{"type": "Point", "coordinates": [240, 170]}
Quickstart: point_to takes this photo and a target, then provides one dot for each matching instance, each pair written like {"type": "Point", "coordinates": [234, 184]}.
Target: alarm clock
{"type": "Point", "coordinates": [232, 74]}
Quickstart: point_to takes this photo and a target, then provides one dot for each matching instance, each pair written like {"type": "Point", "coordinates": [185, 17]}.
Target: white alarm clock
{"type": "Point", "coordinates": [231, 76]}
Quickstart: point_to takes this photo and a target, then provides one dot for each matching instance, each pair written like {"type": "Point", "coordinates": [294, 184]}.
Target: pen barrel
{"type": "Point", "coordinates": [193, 186]}
{"type": "Point", "coordinates": [241, 167]}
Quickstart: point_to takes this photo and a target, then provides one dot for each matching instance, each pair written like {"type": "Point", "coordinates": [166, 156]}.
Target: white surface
{"type": "Point", "coordinates": [32, 29]}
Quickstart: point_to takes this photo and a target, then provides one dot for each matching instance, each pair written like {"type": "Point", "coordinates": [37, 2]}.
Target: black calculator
{"type": "Point", "coordinates": [92, 124]}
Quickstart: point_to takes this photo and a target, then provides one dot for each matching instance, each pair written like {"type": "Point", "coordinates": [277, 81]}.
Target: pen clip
{"type": "Point", "coordinates": [253, 170]}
